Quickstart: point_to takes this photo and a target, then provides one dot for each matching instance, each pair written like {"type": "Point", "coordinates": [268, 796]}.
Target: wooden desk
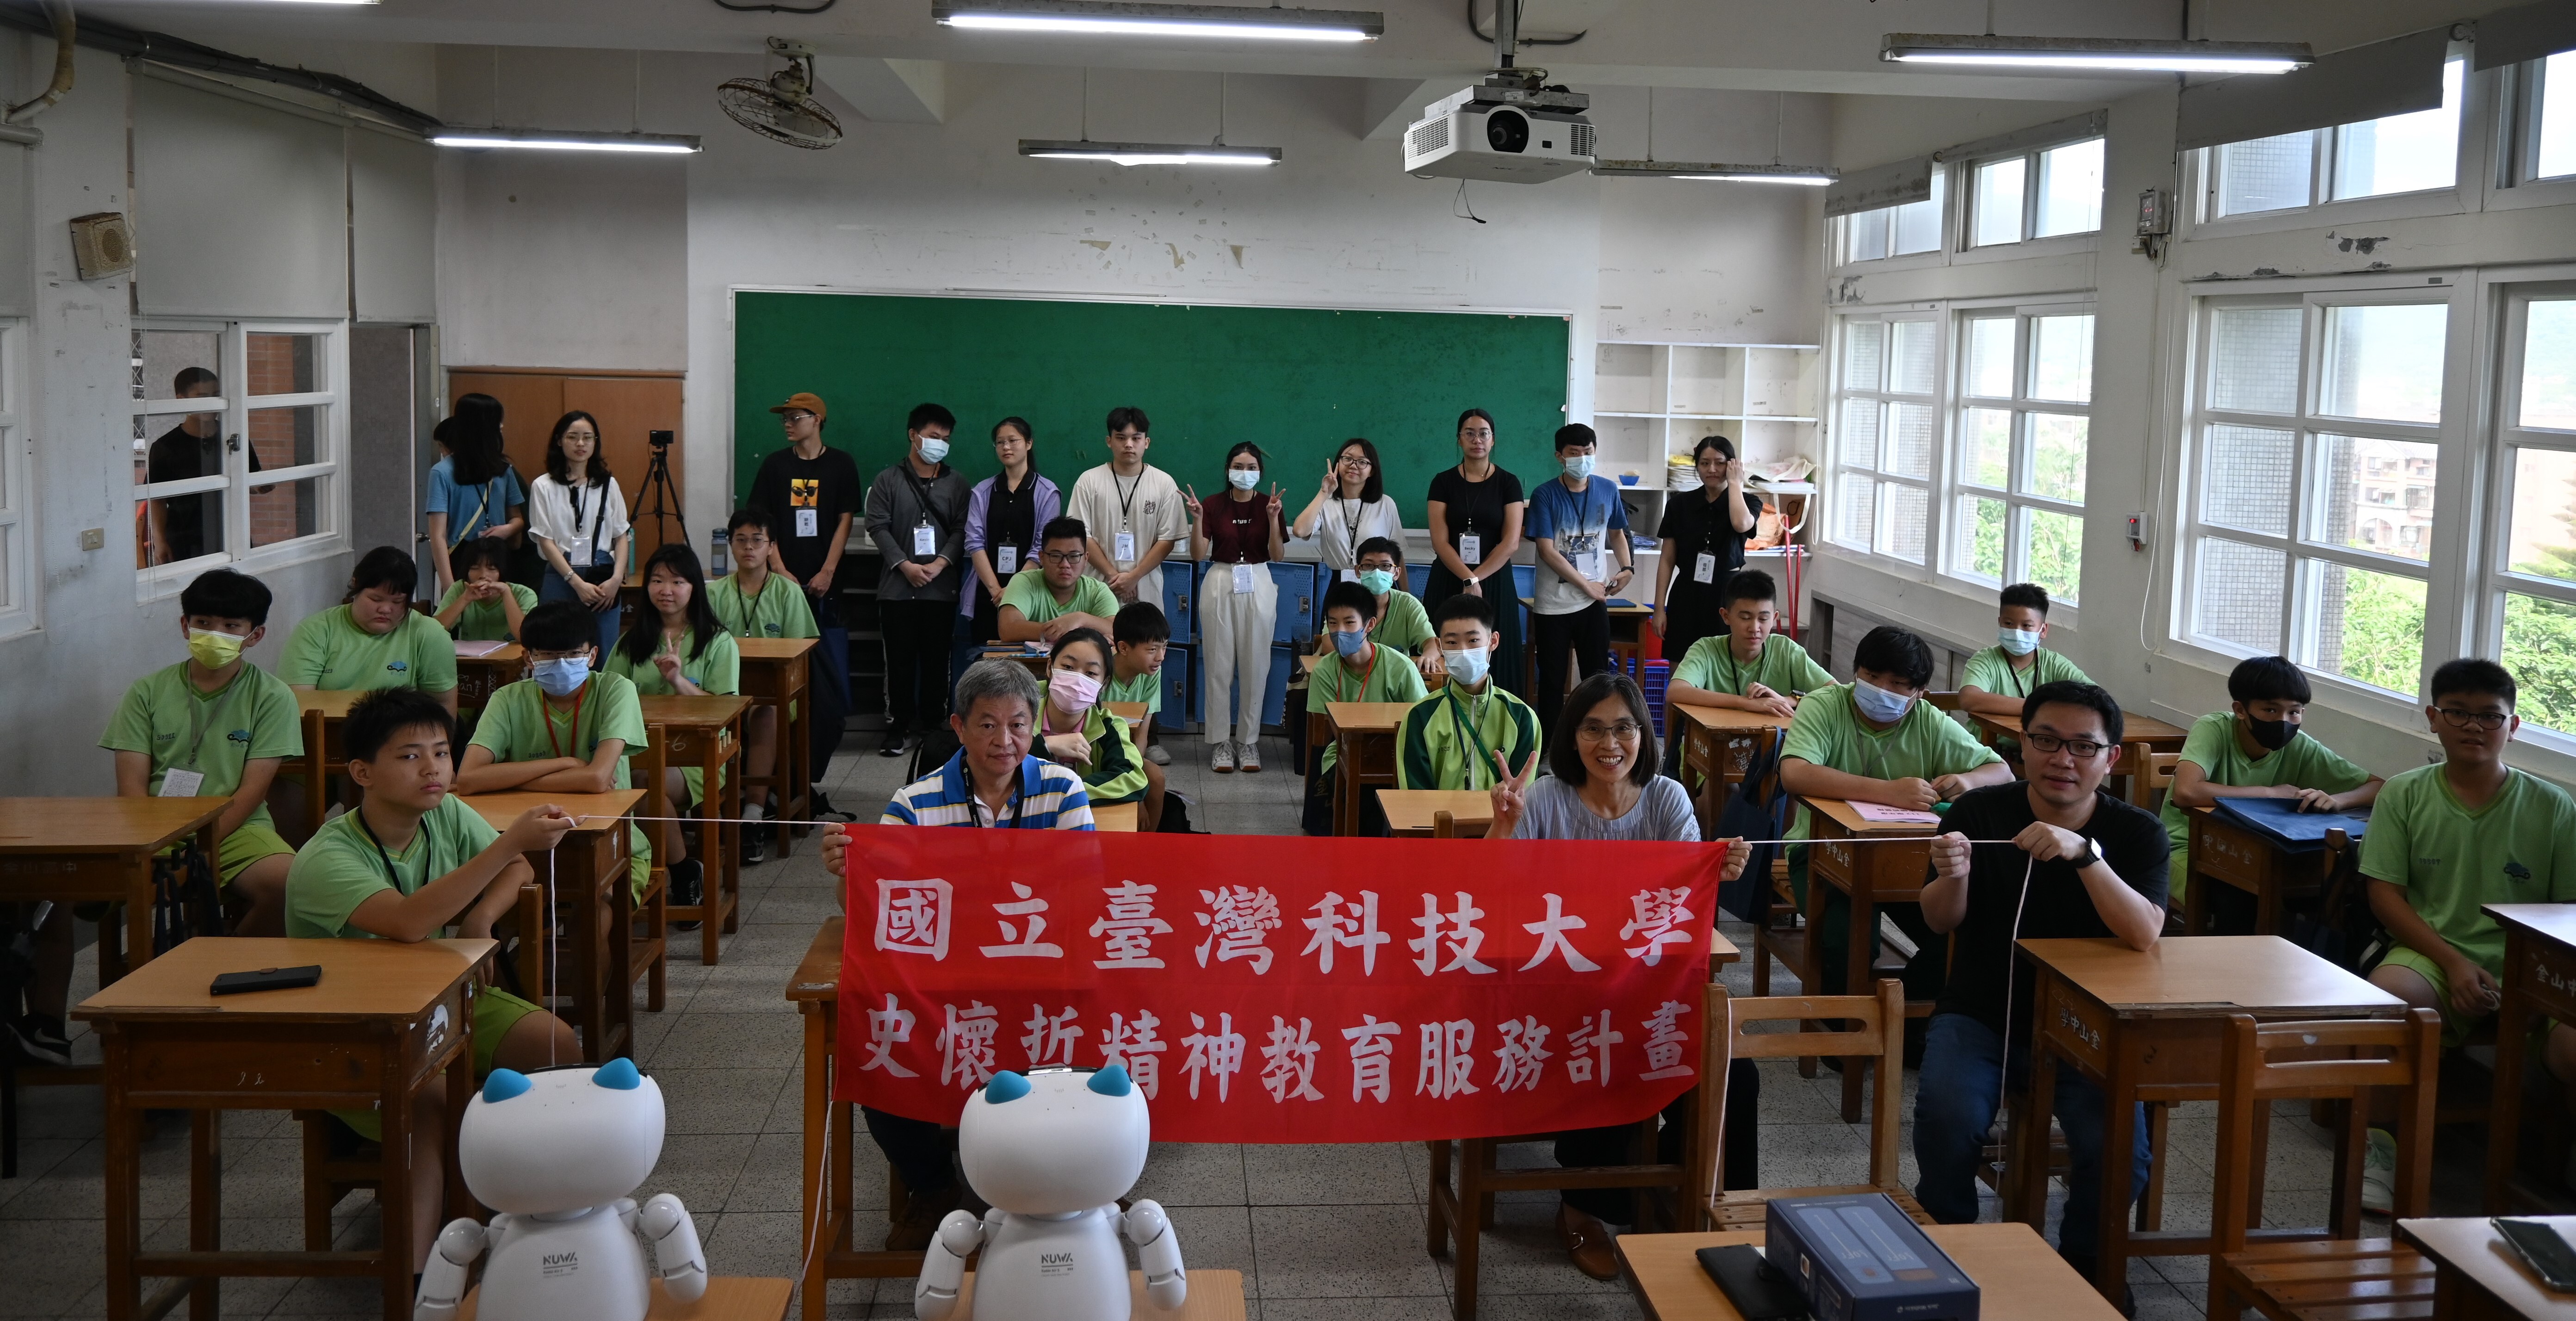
{"type": "Point", "coordinates": [592, 900]}
{"type": "Point", "coordinates": [2225, 853]}
{"type": "Point", "coordinates": [477, 677]}
{"type": "Point", "coordinates": [2019, 1277]}
{"type": "Point", "coordinates": [1627, 632]}
{"type": "Point", "coordinates": [323, 711]}
{"type": "Point", "coordinates": [705, 732]}
{"type": "Point", "coordinates": [728, 1298]}
{"type": "Point", "coordinates": [386, 1020]}
{"type": "Point", "coordinates": [1409, 811]}
{"type": "Point", "coordinates": [78, 850]}
{"type": "Point", "coordinates": [2477, 1276]}
{"type": "Point", "coordinates": [775, 674]}
{"type": "Point", "coordinates": [1214, 1296]}
{"type": "Point", "coordinates": [1870, 876]}
{"type": "Point", "coordinates": [1119, 817]}
{"type": "Point", "coordinates": [1365, 734]}
{"type": "Point", "coordinates": [1718, 744]}
{"type": "Point", "coordinates": [828, 1201]}
{"type": "Point", "coordinates": [2145, 1026]}
{"type": "Point", "coordinates": [1036, 661]}
{"type": "Point", "coordinates": [2539, 978]}
{"type": "Point", "coordinates": [1131, 712]}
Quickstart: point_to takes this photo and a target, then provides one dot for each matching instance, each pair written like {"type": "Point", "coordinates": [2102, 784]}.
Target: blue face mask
{"type": "Point", "coordinates": [933, 449]}
{"type": "Point", "coordinates": [1467, 667]}
{"type": "Point", "coordinates": [1878, 704]}
{"type": "Point", "coordinates": [1349, 644]}
{"type": "Point", "coordinates": [1579, 466]}
{"type": "Point", "coordinates": [1243, 479]}
{"type": "Point", "coordinates": [563, 677]}
{"type": "Point", "coordinates": [1377, 581]}
{"type": "Point", "coordinates": [2016, 642]}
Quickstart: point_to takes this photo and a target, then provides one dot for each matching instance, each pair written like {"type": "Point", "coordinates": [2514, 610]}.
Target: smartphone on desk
{"type": "Point", "coordinates": [1759, 1290]}
{"type": "Point", "coordinates": [265, 979]}
{"type": "Point", "coordinates": [2543, 1249]}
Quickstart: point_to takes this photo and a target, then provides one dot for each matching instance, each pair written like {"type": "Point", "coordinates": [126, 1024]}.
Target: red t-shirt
{"type": "Point", "coordinates": [1237, 533]}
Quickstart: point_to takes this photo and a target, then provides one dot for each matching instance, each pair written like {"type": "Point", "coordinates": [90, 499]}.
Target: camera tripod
{"type": "Point", "coordinates": [663, 496]}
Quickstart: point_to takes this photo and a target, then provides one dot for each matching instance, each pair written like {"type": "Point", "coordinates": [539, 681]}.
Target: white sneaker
{"type": "Point", "coordinates": [1248, 756]}
{"type": "Point", "coordinates": [1221, 757]}
{"type": "Point", "coordinates": [1156, 755]}
{"type": "Point", "coordinates": [2379, 1173]}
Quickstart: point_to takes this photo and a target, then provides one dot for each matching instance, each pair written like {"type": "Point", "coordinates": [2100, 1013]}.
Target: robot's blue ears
{"type": "Point", "coordinates": [1005, 1086]}
{"type": "Point", "coordinates": [504, 1084]}
{"type": "Point", "coordinates": [618, 1075]}
{"type": "Point", "coordinates": [1111, 1081]}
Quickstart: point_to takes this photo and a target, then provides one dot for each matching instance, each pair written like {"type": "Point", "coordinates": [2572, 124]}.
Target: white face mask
{"type": "Point", "coordinates": [2016, 641]}
{"type": "Point", "coordinates": [1579, 466]}
{"type": "Point", "coordinates": [933, 449]}
{"type": "Point", "coordinates": [1243, 479]}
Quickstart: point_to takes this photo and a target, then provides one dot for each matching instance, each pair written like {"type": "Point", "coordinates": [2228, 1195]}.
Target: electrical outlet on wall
{"type": "Point", "coordinates": [93, 538]}
{"type": "Point", "coordinates": [2138, 531]}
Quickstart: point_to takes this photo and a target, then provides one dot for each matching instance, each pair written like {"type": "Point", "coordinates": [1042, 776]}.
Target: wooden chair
{"type": "Point", "coordinates": [2150, 774]}
{"type": "Point", "coordinates": [1444, 826]}
{"type": "Point", "coordinates": [337, 1162]}
{"type": "Point", "coordinates": [1880, 1032]}
{"type": "Point", "coordinates": [1943, 701]}
{"type": "Point", "coordinates": [2343, 1059]}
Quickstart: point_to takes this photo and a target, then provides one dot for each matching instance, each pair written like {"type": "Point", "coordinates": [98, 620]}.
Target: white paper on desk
{"type": "Point", "coordinates": [1895, 816]}
{"type": "Point", "coordinates": [470, 650]}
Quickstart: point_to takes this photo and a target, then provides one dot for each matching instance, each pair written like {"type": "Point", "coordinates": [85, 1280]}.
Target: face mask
{"type": "Point", "coordinates": [212, 649]}
{"type": "Point", "coordinates": [1377, 581]}
{"type": "Point", "coordinates": [1467, 667]}
{"type": "Point", "coordinates": [1579, 466]}
{"type": "Point", "coordinates": [564, 676]}
{"type": "Point", "coordinates": [933, 450]}
{"type": "Point", "coordinates": [1879, 704]}
{"type": "Point", "coordinates": [2273, 734]}
{"type": "Point", "coordinates": [1072, 690]}
{"type": "Point", "coordinates": [2017, 642]}
{"type": "Point", "coordinates": [1243, 479]}
{"type": "Point", "coordinates": [1349, 644]}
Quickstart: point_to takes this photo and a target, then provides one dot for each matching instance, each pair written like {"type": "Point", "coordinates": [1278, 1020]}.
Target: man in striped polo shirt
{"type": "Point", "coordinates": [991, 782]}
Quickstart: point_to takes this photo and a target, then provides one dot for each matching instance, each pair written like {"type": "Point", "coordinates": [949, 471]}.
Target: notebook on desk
{"type": "Point", "coordinates": [2281, 821]}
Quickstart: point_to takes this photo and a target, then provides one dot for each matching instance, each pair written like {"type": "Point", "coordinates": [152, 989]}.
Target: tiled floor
{"type": "Point", "coordinates": [1318, 1232]}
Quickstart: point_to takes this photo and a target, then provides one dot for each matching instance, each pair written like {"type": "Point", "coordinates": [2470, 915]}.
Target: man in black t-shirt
{"type": "Point", "coordinates": [194, 448]}
{"type": "Point", "coordinates": [2081, 863]}
{"type": "Point", "coordinates": [813, 494]}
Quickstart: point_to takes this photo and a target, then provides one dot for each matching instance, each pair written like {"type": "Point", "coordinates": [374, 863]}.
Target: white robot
{"type": "Point", "coordinates": [1052, 1151]}
{"type": "Point", "coordinates": [555, 1154]}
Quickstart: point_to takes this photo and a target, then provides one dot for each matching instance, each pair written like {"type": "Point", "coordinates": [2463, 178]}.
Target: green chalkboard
{"type": "Point", "coordinates": [1296, 381]}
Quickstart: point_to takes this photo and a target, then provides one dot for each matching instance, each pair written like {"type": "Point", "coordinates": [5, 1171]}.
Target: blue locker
{"type": "Point", "coordinates": [1524, 584]}
{"type": "Point", "coordinates": [1180, 691]}
{"type": "Point", "coordinates": [1274, 701]}
{"type": "Point", "coordinates": [1297, 596]}
{"type": "Point", "coordinates": [1180, 588]}
{"type": "Point", "coordinates": [1417, 579]}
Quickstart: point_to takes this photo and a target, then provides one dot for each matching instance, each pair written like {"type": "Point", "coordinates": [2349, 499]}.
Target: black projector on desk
{"type": "Point", "coordinates": [1860, 1258]}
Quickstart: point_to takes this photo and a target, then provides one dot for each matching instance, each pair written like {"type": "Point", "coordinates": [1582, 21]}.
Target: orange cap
{"type": "Point", "coordinates": [811, 403]}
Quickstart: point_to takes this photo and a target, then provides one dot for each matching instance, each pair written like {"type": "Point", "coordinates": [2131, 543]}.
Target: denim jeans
{"type": "Point", "coordinates": [1954, 1106]}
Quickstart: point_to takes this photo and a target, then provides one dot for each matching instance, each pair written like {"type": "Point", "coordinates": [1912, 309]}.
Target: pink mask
{"type": "Point", "coordinates": [1072, 690]}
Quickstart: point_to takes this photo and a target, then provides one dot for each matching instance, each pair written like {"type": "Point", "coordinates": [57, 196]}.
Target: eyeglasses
{"type": "Point", "coordinates": [793, 417]}
{"type": "Point", "coordinates": [1593, 731]}
{"type": "Point", "coordinates": [2489, 720]}
{"type": "Point", "coordinates": [1358, 462]}
{"type": "Point", "coordinates": [1061, 556]}
{"type": "Point", "coordinates": [2084, 748]}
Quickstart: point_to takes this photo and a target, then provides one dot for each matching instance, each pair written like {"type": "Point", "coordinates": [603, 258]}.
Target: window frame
{"type": "Point", "coordinates": [2494, 574]}
{"type": "Point", "coordinates": [329, 468]}
{"type": "Point", "coordinates": [1839, 236]}
{"type": "Point", "coordinates": [2478, 110]}
{"type": "Point", "coordinates": [2031, 240]}
{"type": "Point", "coordinates": [1844, 473]}
{"type": "Point", "coordinates": [1956, 561]}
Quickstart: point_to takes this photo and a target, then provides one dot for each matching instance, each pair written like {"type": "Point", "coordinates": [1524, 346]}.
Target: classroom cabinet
{"type": "Point", "coordinates": [1180, 692]}
{"type": "Point", "coordinates": [1180, 590]}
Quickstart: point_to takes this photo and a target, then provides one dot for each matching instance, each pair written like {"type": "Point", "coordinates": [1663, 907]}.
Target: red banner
{"type": "Point", "coordinates": [1280, 988]}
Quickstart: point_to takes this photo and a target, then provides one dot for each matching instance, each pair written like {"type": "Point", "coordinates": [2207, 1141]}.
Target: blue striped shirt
{"type": "Point", "coordinates": [1049, 797]}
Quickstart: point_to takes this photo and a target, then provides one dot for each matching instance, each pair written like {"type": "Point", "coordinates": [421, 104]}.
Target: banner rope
{"type": "Point", "coordinates": [774, 821]}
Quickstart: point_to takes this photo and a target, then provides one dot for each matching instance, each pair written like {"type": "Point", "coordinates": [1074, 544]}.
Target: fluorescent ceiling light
{"type": "Point", "coordinates": [2099, 54]}
{"type": "Point", "coordinates": [1149, 153]}
{"type": "Point", "coordinates": [1119, 18]}
{"type": "Point", "coordinates": [533, 139]}
{"type": "Point", "coordinates": [1812, 176]}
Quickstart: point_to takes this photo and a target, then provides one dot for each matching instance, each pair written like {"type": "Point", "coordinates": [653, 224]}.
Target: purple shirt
{"type": "Point", "coordinates": [1046, 505]}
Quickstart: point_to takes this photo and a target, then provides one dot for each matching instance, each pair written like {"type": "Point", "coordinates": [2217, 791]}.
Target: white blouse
{"type": "Point", "coordinates": [552, 515]}
{"type": "Point", "coordinates": [1343, 524]}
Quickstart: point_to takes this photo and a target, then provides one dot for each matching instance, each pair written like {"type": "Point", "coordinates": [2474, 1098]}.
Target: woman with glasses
{"type": "Point", "coordinates": [579, 518]}
{"type": "Point", "coordinates": [1603, 786]}
{"type": "Point", "coordinates": [1475, 512]}
{"type": "Point", "coordinates": [1703, 536]}
{"type": "Point", "coordinates": [1004, 514]}
{"type": "Point", "coordinates": [1350, 509]}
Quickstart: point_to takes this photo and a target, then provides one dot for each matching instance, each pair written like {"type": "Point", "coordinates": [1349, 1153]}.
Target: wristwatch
{"type": "Point", "coordinates": [2096, 846]}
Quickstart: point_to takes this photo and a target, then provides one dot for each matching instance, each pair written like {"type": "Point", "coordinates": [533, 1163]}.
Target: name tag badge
{"type": "Point", "coordinates": [1350, 575]}
{"type": "Point", "coordinates": [176, 783]}
{"type": "Point", "coordinates": [1242, 579]}
{"type": "Point", "coordinates": [1009, 561]}
{"type": "Point", "coordinates": [925, 540]}
{"type": "Point", "coordinates": [1588, 563]}
{"type": "Point", "coordinates": [809, 523]}
{"type": "Point", "coordinates": [1704, 569]}
{"type": "Point", "coordinates": [1471, 549]}
{"type": "Point", "coordinates": [1123, 548]}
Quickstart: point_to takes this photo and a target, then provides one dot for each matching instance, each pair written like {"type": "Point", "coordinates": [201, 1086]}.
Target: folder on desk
{"type": "Point", "coordinates": [2281, 821]}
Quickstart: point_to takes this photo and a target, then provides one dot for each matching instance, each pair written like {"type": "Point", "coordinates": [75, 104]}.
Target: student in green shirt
{"type": "Point", "coordinates": [1081, 734]}
{"type": "Point", "coordinates": [1354, 666]}
{"type": "Point", "coordinates": [373, 638]}
{"type": "Point", "coordinates": [1878, 741]}
{"type": "Point", "coordinates": [2256, 750]}
{"type": "Point", "coordinates": [1750, 666]}
{"type": "Point", "coordinates": [2000, 678]}
{"type": "Point", "coordinates": [678, 651]}
{"type": "Point", "coordinates": [1142, 636]}
{"type": "Point", "coordinates": [565, 729]}
{"type": "Point", "coordinates": [1401, 622]}
{"type": "Point", "coordinates": [479, 605]}
{"type": "Point", "coordinates": [1452, 739]}
{"type": "Point", "coordinates": [752, 602]}
{"type": "Point", "coordinates": [409, 862]}
{"type": "Point", "coordinates": [1051, 598]}
{"type": "Point", "coordinates": [2446, 840]}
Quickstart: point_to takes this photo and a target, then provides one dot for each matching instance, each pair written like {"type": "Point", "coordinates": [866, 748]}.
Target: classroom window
{"type": "Point", "coordinates": [2533, 588]}
{"type": "Point", "coordinates": [17, 502]}
{"type": "Point", "coordinates": [237, 434]}
{"type": "Point", "coordinates": [2316, 448]}
{"type": "Point", "coordinates": [1886, 427]}
{"type": "Point", "coordinates": [2039, 194]}
{"type": "Point", "coordinates": [2023, 419]}
{"type": "Point", "coordinates": [2406, 153]}
{"type": "Point", "coordinates": [2541, 119]}
{"type": "Point", "coordinates": [1895, 231]}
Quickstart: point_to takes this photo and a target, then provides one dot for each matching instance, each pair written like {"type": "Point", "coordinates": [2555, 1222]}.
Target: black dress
{"type": "Point", "coordinates": [1479, 507]}
{"type": "Point", "coordinates": [1697, 525]}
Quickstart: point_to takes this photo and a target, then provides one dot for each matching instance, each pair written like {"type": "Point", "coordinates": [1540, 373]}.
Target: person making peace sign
{"type": "Point", "coordinates": [1238, 603]}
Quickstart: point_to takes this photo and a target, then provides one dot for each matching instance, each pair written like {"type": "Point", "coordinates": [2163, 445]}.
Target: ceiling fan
{"type": "Point", "coordinates": [782, 107]}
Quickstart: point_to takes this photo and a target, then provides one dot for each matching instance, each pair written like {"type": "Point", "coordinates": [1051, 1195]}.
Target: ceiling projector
{"type": "Point", "coordinates": [1501, 134]}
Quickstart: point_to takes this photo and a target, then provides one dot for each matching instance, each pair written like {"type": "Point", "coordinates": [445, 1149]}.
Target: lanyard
{"type": "Point", "coordinates": [573, 493]}
{"type": "Point", "coordinates": [1344, 667]}
{"type": "Point", "coordinates": [1242, 538]}
{"type": "Point", "coordinates": [205, 711]}
{"type": "Point", "coordinates": [391, 876]}
{"type": "Point", "coordinates": [1010, 804]}
{"type": "Point", "coordinates": [1735, 670]}
{"type": "Point", "coordinates": [2021, 683]}
{"type": "Point", "coordinates": [750, 609]}
{"type": "Point", "coordinates": [1469, 729]}
{"type": "Point", "coordinates": [1125, 498]}
{"type": "Point", "coordinates": [548, 707]}
{"type": "Point", "coordinates": [1352, 512]}
{"type": "Point", "coordinates": [921, 491]}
